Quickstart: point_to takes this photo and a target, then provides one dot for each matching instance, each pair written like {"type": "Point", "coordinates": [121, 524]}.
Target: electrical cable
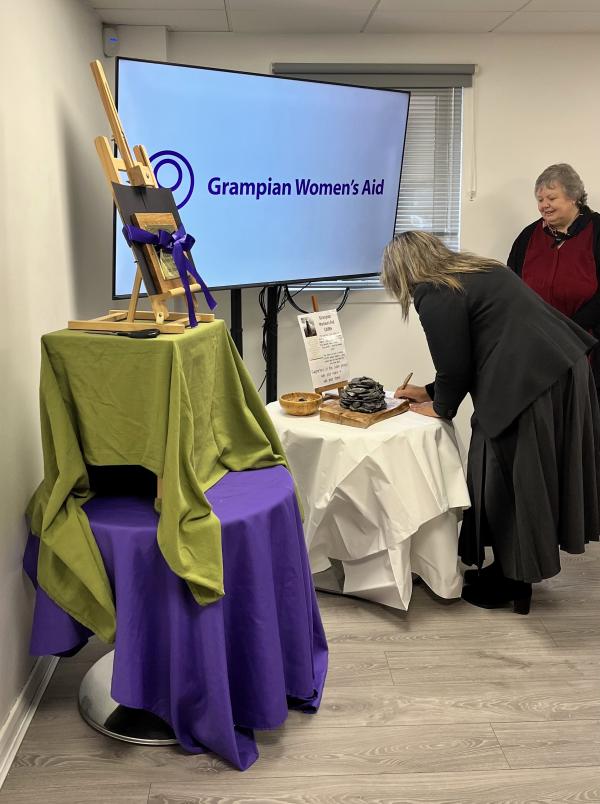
{"type": "Point", "coordinates": [290, 298]}
{"type": "Point", "coordinates": [280, 301]}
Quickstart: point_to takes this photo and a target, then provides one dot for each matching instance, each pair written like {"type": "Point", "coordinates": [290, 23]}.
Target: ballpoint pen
{"type": "Point", "coordinates": [406, 381]}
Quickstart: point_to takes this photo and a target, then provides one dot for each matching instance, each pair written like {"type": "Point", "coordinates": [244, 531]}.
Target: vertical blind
{"type": "Point", "coordinates": [429, 196]}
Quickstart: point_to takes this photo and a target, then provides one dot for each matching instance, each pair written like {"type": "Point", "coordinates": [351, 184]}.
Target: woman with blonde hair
{"type": "Point", "coordinates": [534, 458]}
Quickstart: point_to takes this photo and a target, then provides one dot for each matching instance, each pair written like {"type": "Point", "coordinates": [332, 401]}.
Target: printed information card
{"type": "Point", "coordinates": [325, 348]}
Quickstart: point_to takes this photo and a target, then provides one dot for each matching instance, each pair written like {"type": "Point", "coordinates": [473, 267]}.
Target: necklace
{"type": "Point", "coordinates": [560, 237]}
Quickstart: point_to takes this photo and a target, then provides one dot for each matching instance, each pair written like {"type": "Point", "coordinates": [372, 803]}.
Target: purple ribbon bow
{"type": "Point", "coordinates": [175, 243]}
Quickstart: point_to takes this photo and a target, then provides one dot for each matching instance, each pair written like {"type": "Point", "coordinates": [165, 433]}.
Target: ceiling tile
{"type": "Point", "coordinates": [564, 5]}
{"type": "Point", "coordinates": [209, 20]}
{"type": "Point", "coordinates": [450, 6]}
{"type": "Point", "coordinates": [572, 22]}
{"type": "Point", "coordinates": [351, 16]}
{"type": "Point", "coordinates": [434, 22]}
{"type": "Point", "coordinates": [318, 20]}
{"type": "Point", "coordinates": [158, 5]}
{"type": "Point", "coordinates": [300, 6]}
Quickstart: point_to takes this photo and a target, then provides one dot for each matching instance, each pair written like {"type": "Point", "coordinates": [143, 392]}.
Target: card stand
{"type": "Point", "coordinates": [334, 385]}
{"type": "Point", "coordinates": [139, 173]}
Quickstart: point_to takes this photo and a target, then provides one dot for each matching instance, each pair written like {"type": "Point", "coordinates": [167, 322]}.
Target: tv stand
{"type": "Point", "coordinates": [273, 294]}
{"type": "Point", "coordinates": [236, 329]}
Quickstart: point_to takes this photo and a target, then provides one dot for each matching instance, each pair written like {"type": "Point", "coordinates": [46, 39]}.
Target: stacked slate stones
{"type": "Point", "coordinates": [364, 395]}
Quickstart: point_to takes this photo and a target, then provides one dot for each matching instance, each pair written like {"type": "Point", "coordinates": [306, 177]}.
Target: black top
{"type": "Point", "coordinates": [588, 315]}
{"type": "Point", "coordinates": [497, 340]}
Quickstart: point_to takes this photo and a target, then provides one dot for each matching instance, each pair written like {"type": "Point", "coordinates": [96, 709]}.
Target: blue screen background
{"type": "Point", "coordinates": [249, 128]}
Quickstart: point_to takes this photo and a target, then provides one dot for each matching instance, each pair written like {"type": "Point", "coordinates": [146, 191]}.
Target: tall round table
{"type": "Point", "coordinates": [212, 673]}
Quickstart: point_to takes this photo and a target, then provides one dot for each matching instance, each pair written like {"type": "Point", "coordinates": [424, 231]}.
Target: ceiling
{"type": "Point", "coordinates": [355, 16]}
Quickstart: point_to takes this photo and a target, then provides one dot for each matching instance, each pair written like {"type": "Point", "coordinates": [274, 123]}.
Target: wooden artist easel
{"type": "Point", "coordinates": [139, 174]}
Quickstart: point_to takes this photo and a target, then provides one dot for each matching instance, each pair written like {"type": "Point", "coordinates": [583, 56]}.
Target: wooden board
{"type": "Point", "coordinates": [332, 411]}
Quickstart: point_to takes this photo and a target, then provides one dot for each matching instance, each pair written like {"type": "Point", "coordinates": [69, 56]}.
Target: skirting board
{"type": "Point", "coordinates": [22, 712]}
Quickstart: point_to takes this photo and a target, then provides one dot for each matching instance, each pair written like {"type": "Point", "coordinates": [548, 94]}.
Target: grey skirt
{"type": "Point", "coordinates": [535, 489]}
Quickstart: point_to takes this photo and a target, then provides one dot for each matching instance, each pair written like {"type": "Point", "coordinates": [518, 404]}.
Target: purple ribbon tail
{"type": "Point", "coordinates": [184, 266]}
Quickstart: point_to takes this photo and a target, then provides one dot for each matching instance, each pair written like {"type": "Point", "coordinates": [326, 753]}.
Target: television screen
{"type": "Point", "coordinates": [279, 180]}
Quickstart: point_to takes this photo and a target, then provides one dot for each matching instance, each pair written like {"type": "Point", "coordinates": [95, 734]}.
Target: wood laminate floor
{"type": "Point", "coordinates": [447, 703]}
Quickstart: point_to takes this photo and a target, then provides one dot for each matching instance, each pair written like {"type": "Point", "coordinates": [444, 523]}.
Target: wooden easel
{"type": "Point", "coordinates": [140, 174]}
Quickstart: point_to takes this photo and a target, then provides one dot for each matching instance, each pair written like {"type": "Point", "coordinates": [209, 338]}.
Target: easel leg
{"type": "Point", "coordinates": [135, 293]}
{"type": "Point", "coordinates": [159, 308]}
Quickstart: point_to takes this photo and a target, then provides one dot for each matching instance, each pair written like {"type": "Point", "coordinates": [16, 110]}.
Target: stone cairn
{"type": "Point", "coordinates": [363, 395]}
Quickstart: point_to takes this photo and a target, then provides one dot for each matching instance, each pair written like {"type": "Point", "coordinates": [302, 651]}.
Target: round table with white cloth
{"type": "Point", "coordinates": [384, 501]}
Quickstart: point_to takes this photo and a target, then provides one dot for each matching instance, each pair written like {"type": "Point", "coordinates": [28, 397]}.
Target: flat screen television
{"type": "Point", "coordinates": [280, 180]}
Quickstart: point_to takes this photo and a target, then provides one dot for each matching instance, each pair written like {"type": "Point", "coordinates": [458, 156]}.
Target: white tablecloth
{"type": "Point", "coordinates": [385, 501]}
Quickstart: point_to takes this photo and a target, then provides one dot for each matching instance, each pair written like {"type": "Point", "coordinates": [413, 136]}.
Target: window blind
{"type": "Point", "coordinates": [429, 196]}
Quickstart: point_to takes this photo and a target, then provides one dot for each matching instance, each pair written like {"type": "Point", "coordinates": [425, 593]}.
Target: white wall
{"type": "Point", "coordinates": [54, 258]}
{"type": "Point", "coordinates": [536, 102]}
{"type": "Point", "coordinates": [141, 42]}
{"type": "Point", "coordinates": [56, 249]}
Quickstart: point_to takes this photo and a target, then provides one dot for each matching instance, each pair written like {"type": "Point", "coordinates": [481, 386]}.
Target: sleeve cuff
{"type": "Point", "coordinates": [444, 412]}
{"type": "Point", "coordinates": [430, 388]}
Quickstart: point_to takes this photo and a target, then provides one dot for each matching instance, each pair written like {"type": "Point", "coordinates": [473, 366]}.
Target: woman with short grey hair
{"type": "Point", "coordinates": [563, 175]}
{"type": "Point", "coordinates": [558, 255]}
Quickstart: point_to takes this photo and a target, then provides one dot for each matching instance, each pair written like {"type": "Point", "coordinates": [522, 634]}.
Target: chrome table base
{"type": "Point", "coordinates": [121, 722]}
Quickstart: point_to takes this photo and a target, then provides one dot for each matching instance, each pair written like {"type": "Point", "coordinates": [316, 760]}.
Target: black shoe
{"type": "Point", "coordinates": [500, 594]}
{"type": "Point", "coordinates": [489, 573]}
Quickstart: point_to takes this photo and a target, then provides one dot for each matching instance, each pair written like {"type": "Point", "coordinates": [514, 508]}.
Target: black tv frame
{"type": "Point", "coordinates": [272, 283]}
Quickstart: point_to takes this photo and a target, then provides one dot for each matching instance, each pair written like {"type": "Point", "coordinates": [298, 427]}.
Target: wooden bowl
{"type": "Point", "coordinates": [300, 403]}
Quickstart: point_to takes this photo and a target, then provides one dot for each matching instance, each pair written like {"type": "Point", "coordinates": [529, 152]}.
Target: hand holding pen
{"type": "Point", "coordinates": [416, 393]}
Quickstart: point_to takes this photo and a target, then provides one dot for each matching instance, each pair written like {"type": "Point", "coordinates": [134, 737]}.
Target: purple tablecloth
{"type": "Point", "coordinates": [213, 673]}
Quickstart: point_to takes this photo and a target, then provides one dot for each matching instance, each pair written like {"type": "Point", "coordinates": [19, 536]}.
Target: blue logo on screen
{"type": "Point", "coordinates": [176, 160]}
{"type": "Point", "coordinates": [299, 187]}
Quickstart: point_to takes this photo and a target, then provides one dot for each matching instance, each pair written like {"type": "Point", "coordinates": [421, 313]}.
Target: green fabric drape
{"type": "Point", "coordinates": [182, 406]}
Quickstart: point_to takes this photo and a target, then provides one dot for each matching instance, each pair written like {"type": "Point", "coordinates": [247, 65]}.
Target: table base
{"type": "Point", "coordinates": [386, 576]}
{"type": "Point", "coordinates": [104, 714]}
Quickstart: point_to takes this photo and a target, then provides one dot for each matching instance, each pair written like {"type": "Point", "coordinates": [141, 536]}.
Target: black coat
{"type": "Point", "coordinates": [497, 340]}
